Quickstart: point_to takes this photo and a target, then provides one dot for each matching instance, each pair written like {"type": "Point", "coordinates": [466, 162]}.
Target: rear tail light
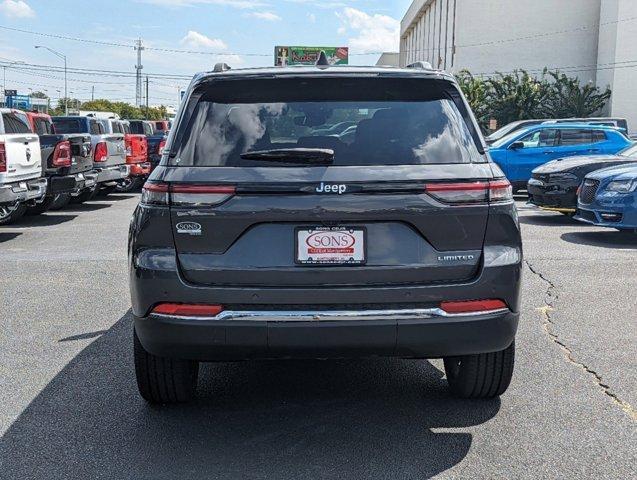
{"type": "Point", "coordinates": [100, 154]}
{"type": "Point", "coordinates": [3, 158]}
{"type": "Point", "coordinates": [188, 309]}
{"type": "Point", "coordinates": [500, 191]}
{"type": "Point", "coordinates": [161, 146]}
{"type": "Point", "coordinates": [62, 154]}
{"type": "Point", "coordinates": [200, 194]}
{"type": "Point", "coordinates": [186, 195]}
{"type": "Point", "coordinates": [472, 306]}
{"type": "Point", "coordinates": [155, 194]}
{"type": "Point", "coordinates": [494, 191]}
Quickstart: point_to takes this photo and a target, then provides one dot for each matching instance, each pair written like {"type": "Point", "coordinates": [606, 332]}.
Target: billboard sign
{"type": "Point", "coordinates": [23, 102]}
{"type": "Point", "coordinates": [308, 55]}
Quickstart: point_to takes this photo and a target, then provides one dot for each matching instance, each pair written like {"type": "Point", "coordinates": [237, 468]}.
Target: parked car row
{"type": "Point", "coordinates": [587, 170]}
{"type": "Point", "coordinates": [47, 162]}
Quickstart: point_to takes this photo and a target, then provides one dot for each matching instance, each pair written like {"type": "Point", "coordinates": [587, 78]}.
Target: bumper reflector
{"type": "Point", "coordinates": [188, 310]}
{"type": "Point", "coordinates": [470, 306]}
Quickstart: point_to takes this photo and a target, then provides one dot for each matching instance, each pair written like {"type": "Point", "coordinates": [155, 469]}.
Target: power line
{"type": "Point", "coordinates": [116, 44]}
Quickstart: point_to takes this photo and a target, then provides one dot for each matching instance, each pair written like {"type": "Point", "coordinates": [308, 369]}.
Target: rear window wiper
{"type": "Point", "coordinates": [314, 156]}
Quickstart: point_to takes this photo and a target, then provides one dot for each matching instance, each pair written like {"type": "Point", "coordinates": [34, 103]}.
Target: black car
{"type": "Point", "coordinates": [553, 186]}
{"type": "Point", "coordinates": [256, 239]}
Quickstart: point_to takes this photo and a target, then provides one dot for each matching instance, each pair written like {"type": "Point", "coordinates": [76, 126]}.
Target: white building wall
{"type": "Point", "coordinates": [617, 54]}
{"type": "Point", "coordinates": [476, 32]}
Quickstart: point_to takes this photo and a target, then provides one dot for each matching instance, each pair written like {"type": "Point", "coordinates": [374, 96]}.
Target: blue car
{"type": "Point", "coordinates": [608, 198]}
{"type": "Point", "coordinates": [518, 153]}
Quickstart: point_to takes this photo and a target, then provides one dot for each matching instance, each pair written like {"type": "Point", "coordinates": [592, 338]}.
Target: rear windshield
{"type": "Point", "coordinates": [16, 122]}
{"type": "Point", "coordinates": [136, 127]}
{"type": "Point", "coordinates": [364, 121]}
{"type": "Point", "coordinates": [69, 125]}
{"type": "Point", "coordinates": [42, 126]}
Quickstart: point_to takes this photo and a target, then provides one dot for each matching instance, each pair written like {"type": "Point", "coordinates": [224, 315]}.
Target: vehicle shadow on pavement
{"type": "Point", "coordinates": [606, 239]}
{"type": "Point", "coordinates": [113, 196]}
{"type": "Point", "coordinates": [6, 236]}
{"type": "Point", "coordinates": [550, 220]}
{"type": "Point", "coordinates": [46, 220]}
{"type": "Point", "coordinates": [84, 207]}
{"type": "Point", "coordinates": [275, 420]}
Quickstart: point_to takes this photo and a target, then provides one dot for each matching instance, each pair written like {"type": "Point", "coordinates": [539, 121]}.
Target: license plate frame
{"type": "Point", "coordinates": [359, 254]}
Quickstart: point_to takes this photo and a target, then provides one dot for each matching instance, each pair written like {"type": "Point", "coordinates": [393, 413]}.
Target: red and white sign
{"type": "Point", "coordinates": [331, 245]}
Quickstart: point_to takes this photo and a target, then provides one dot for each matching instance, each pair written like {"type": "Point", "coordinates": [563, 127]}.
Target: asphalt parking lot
{"type": "Point", "coordinates": [70, 407]}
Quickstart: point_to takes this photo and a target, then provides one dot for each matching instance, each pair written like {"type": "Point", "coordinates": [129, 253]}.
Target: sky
{"type": "Point", "coordinates": [242, 33]}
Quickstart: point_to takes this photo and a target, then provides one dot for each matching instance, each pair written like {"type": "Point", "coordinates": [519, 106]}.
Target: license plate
{"type": "Point", "coordinates": [331, 245]}
{"type": "Point", "coordinates": [21, 187]}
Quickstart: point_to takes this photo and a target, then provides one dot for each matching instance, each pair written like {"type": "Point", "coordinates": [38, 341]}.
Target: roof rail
{"type": "Point", "coordinates": [221, 67]}
{"type": "Point", "coordinates": [420, 65]}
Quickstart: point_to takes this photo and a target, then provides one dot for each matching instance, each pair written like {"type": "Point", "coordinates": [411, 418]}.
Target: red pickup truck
{"type": "Point", "coordinates": [136, 157]}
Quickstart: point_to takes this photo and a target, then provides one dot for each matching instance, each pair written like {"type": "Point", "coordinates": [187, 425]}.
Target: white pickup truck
{"type": "Point", "coordinates": [21, 180]}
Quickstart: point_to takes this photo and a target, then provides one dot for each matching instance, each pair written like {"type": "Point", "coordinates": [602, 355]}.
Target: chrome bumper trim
{"type": "Point", "coordinates": [331, 315]}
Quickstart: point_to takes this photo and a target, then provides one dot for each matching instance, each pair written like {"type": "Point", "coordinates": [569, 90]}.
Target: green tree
{"type": "Point", "coordinates": [517, 96]}
{"type": "Point", "coordinates": [568, 98]}
{"type": "Point", "coordinates": [476, 90]}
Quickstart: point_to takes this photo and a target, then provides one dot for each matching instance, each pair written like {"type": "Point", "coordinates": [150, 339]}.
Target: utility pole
{"type": "Point", "coordinates": [63, 57]}
{"type": "Point", "coordinates": [138, 76]}
{"type": "Point", "coordinates": [92, 92]}
{"type": "Point", "coordinates": [146, 97]}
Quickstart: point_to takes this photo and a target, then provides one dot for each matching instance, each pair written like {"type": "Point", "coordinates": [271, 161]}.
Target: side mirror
{"type": "Point", "coordinates": [516, 145]}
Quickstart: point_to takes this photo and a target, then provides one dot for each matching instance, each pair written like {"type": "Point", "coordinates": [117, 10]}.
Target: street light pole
{"type": "Point", "coordinates": [63, 57]}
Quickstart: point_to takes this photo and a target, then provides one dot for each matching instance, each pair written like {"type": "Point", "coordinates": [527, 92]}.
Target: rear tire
{"type": "Point", "coordinates": [164, 380]}
{"type": "Point", "coordinates": [130, 184]}
{"type": "Point", "coordinates": [11, 213]}
{"type": "Point", "coordinates": [107, 190]}
{"type": "Point", "coordinates": [61, 201]}
{"type": "Point", "coordinates": [85, 196]}
{"type": "Point", "coordinates": [485, 375]}
{"type": "Point", "coordinates": [41, 207]}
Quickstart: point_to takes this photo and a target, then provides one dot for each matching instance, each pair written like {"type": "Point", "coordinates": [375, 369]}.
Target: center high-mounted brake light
{"type": "Point", "coordinates": [478, 192]}
{"type": "Point", "coordinates": [62, 154]}
{"type": "Point", "coordinates": [186, 195]}
{"type": "Point", "coordinates": [3, 158]}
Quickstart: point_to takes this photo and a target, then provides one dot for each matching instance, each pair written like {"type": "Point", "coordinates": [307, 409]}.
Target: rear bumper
{"type": "Point", "coordinates": [71, 183]}
{"type": "Point", "coordinates": [23, 191]}
{"type": "Point", "coordinates": [268, 334]}
{"type": "Point", "coordinates": [141, 169]}
{"type": "Point", "coordinates": [112, 174]}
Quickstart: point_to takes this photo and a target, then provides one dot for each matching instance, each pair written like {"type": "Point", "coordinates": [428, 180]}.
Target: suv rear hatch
{"type": "Point", "coordinates": [257, 199]}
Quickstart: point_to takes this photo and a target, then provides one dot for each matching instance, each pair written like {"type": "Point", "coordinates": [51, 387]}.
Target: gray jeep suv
{"type": "Point", "coordinates": [262, 236]}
